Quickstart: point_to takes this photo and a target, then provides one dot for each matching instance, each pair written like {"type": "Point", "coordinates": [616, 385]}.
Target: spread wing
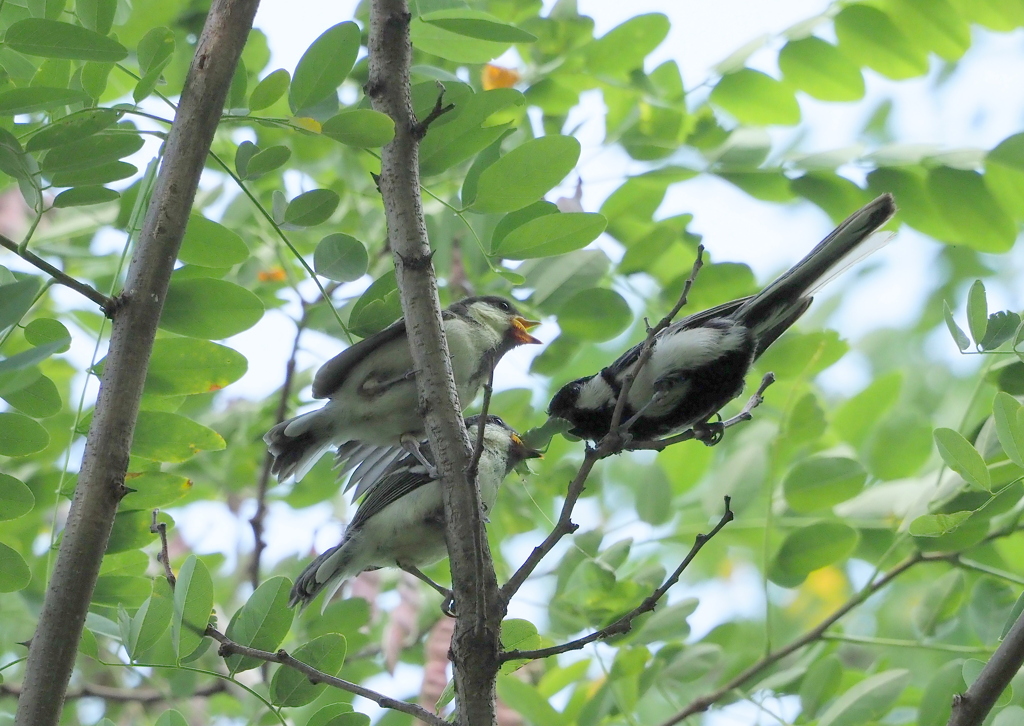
{"type": "Point", "coordinates": [406, 475]}
{"type": "Point", "coordinates": [334, 372]}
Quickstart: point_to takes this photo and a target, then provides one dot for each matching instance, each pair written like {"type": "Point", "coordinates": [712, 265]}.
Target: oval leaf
{"type": "Point", "coordinates": [868, 700]}
{"type": "Point", "coordinates": [37, 98]}
{"type": "Point", "coordinates": [551, 234]}
{"type": "Point", "coordinates": [595, 314]}
{"type": "Point", "coordinates": [324, 65]}
{"type": "Point", "coordinates": [962, 458]}
{"type": "Point", "coordinates": [340, 257]}
{"type": "Point", "coordinates": [184, 366]}
{"type": "Point", "coordinates": [526, 173]}
{"type": "Point", "coordinates": [54, 39]}
{"type": "Point", "coordinates": [20, 435]}
{"type": "Point", "coordinates": [326, 653]}
{"type": "Point", "coordinates": [207, 308]}
{"type": "Point", "coordinates": [821, 70]}
{"type": "Point", "coordinates": [163, 436]}
{"type": "Point", "coordinates": [193, 602]}
{"type": "Point", "coordinates": [14, 572]}
{"type": "Point", "coordinates": [820, 483]}
{"type": "Point", "coordinates": [261, 623]}
{"type": "Point", "coordinates": [756, 99]}
{"type": "Point", "coordinates": [209, 244]}
{"type": "Point", "coordinates": [361, 127]}
{"type": "Point", "coordinates": [16, 499]}
{"type": "Point", "coordinates": [84, 196]}
{"type": "Point", "coordinates": [311, 208]}
{"type": "Point", "coordinates": [811, 548]}
{"type": "Point", "coordinates": [269, 90]}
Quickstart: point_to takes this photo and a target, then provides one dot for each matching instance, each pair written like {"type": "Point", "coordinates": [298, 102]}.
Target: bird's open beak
{"type": "Point", "coordinates": [524, 451]}
{"type": "Point", "coordinates": [519, 327]}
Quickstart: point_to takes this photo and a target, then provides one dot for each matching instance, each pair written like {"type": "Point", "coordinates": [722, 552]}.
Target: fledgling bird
{"type": "Point", "coordinates": [371, 386]}
{"type": "Point", "coordinates": [698, 363]}
{"type": "Point", "coordinates": [400, 523]}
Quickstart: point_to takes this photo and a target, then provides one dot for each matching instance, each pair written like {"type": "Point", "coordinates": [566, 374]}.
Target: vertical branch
{"type": "Point", "coordinates": [973, 706]}
{"type": "Point", "coordinates": [476, 643]}
{"type": "Point", "coordinates": [100, 487]}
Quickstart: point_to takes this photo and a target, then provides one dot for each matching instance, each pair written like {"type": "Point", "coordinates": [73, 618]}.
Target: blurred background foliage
{"type": "Point", "coordinates": [830, 488]}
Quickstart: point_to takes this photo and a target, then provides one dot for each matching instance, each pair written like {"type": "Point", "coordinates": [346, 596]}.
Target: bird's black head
{"type": "Point", "coordinates": [564, 403]}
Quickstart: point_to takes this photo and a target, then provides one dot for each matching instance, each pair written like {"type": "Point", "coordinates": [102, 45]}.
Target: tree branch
{"type": "Point", "coordinates": [476, 644]}
{"type": "Point", "coordinates": [61, 277]}
{"type": "Point", "coordinates": [100, 487]}
{"type": "Point", "coordinates": [230, 647]}
{"type": "Point", "coordinates": [164, 557]}
{"type": "Point", "coordinates": [125, 695]}
{"type": "Point", "coordinates": [705, 702]}
{"type": "Point", "coordinates": [971, 707]}
{"type": "Point", "coordinates": [625, 623]}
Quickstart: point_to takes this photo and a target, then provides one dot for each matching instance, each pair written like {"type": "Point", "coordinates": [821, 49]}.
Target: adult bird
{"type": "Point", "coordinates": [698, 364]}
{"type": "Point", "coordinates": [400, 522]}
{"type": "Point", "coordinates": [372, 405]}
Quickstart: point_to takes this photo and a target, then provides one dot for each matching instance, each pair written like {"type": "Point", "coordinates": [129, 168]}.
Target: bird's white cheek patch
{"type": "Point", "coordinates": [595, 393]}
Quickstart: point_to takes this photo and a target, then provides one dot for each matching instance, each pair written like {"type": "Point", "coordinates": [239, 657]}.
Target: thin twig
{"type": "Point", "coordinates": [230, 647]}
{"type": "Point", "coordinates": [61, 277]}
{"type": "Point", "coordinates": [648, 347]}
{"type": "Point", "coordinates": [745, 414]}
{"type": "Point", "coordinates": [160, 528]}
{"type": "Point", "coordinates": [705, 702]}
{"type": "Point", "coordinates": [439, 110]}
{"type": "Point", "coordinates": [625, 623]}
{"type": "Point", "coordinates": [124, 695]}
{"type": "Point", "coordinates": [478, 446]}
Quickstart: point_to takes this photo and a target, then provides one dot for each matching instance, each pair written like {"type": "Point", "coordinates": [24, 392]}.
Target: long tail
{"type": "Point", "coordinates": [329, 570]}
{"type": "Point", "coordinates": [786, 298]}
{"type": "Point", "coordinates": [297, 444]}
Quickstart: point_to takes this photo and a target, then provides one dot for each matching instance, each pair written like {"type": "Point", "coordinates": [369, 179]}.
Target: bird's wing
{"type": "Point", "coordinates": [390, 488]}
{"type": "Point", "coordinates": [333, 373]}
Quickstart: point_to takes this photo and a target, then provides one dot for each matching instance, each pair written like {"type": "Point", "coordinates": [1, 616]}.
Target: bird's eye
{"type": "Point", "coordinates": [505, 306]}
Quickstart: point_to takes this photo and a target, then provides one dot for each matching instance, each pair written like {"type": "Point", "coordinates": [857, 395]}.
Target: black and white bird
{"type": "Point", "coordinates": [400, 522]}
{"type": "Point", "coordinates": [372, 414]}
{"type": "Point", "coordinates": [698, 363]}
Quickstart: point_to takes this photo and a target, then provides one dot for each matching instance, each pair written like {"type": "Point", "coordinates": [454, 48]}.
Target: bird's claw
{"type": "Point", "coordinates": [448, 605]}
{"type": "Point", "coordinates": [710, 433]}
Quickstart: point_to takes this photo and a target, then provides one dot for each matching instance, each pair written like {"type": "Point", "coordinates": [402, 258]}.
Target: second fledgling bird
{"type": "Point", "coordinates": [371, 386]}
{"type": "Point", "coordinates": [401, 521]}
{"type": "Point", "coordinates": [698, 363]}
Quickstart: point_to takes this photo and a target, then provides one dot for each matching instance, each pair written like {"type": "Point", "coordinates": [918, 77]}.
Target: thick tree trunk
{"type": "Point", "coordinates": [100, 487]}
{"type": "Point", "coordinates": [476, 643]}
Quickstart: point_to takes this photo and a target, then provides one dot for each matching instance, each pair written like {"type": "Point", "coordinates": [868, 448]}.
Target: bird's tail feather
{"type": "Point", "coordinates": [329, 570]}
{"type": "Point", "coordinates": [850, 242]}
{"type": "Point", "coordinates": [297, 444]}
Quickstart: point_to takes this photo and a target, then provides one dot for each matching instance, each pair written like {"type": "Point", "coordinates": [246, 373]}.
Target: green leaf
{"type": "Point", "coordinates": [810, 548]}
{"type": "Point", "coordinates": [361, 127]}
{"type": "Point", "coordinates": [47, 331]}
{"type": "Point", "coordinates": [171, 717]}
{"type": "Point", "coordinates": [436, 40]}
{"type": "Point", "coordinates": [155, 50]}
{"type": "Point", "coordinates": [942, 600]}
{"type": "Point", "coordinates": [15, 300]}
{"type": "Point", "coordinates": [338, 714]}
{"type": "Point", "coordinates": [340, 257]}
{"type": "Point", "coordinates": [324, 66]}
{"type": "Point", "coordinates": [624, 48]}
{"type": "Point", "coordinates": [937, 700]}
{"type": "Point", "coordinates": [1001, 326]}
{"type": "Point", "coordinates": [14, 572]}
{"type": "Point", "coordinates": [868, 700]}
{"type": "Point", "coordinates": [377, 307]}
{"type": "Point", "coordinates": [101, 174]}
{"type": "Point", "coordinates": [16, 499]}
{"type": "Point", "coordinates": [526, 173]}
{"type": "Point", "coordinates": [478, 121]}
{"type": "Point", "coordinates": [756, 99]}
{"type": "Point", "coordinates": [991, 602]}
{"type": "Point", "coordinates": [1009, 420]}
{"type": "Point", "coordinates": [131, 531]}
{"type": "Point", "coordinates": [527, 701]}
{"type": "Point", "coordinates": [516, 219]}
{"type": "Point", "coordinates": [163, 436]}
{"type": "Point", "coordinates": [46, 8]}
{"type": "Point", "coordinates": [184, 366]}
{"type": "Point", "coordinates": [1004, 174]}
{"type": "Point", "coordinates": [73, 128]}
{"type": "Point", "coordinates": [93, 151]}
{"type": "Point", "coordinates": [898, 446]}
{"type": "Point", "coordinates": [129, 591]}
{"type": "Point", "coordinates": [959, 336]}
{"type": "Point", "coordinates": [289, 687]}
{"type": "Point", "coordinates": [265, 161]}
{"type": "Point", "coordinates": [854, 420]}
{"type": "Point", "coordinates": [261, 623]}
{"type": "Point", "coordinates": [596, 313]}
{"type": "Point", "coordinates": [30, 357]}
{"type": "Point", "coordinates": [193, 602]}
{"type": "Point", "coordinates": [209, 244]}
{"type": "Point", "coordinates": [552, 234]}
{"type": "Point", "coordinates": [962, 458]}
{"type": "Point", "coordinates": [207, 308]}
{"type": "Point", "coordinates": [869, 37]}
{"type": "Point", "coordinates": [269, 90]}
{"type": "Point", "coordinates": [53, 39]}
{"type": "Point", "coordinates": [153, 490]}
{"type": "Point", "coordinates": [38, 98]}
{"type": "Point", "coordinates": [39, 399]}
{"type": "Point", "coordinates": [934, 25]}
{"type": "Point", "coordinates": [20, 435]}
{"type": "Point", "coordinates": [478, 27]}
{"type": "Point", "coordinates": [152, 619]}
{"type": "Point", "coordinates": [936, 525]}
{"type": "Point", "coordinates": [970, 210]}
{"type": "Point", "coordinates": [518, 634]}
{"type": "Point", "coordinates": [311, 208]}
{"type": "Point", "coordinates": [97, 15]}
{"type": "Point", "coordinates": [84, 196]}
{"type": "Point", "coordinates": [802, 354]}
{"type": "Point", "coordinates": [822, 482]}
{"type": "Point", "coordinates": [820, 70]}
{"type": "Point", "coordinates": [667, 623]}
{"type": "Point", "coordinates": [977, 311]}
{"type": "Point", "coordinates": [820, 684]}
